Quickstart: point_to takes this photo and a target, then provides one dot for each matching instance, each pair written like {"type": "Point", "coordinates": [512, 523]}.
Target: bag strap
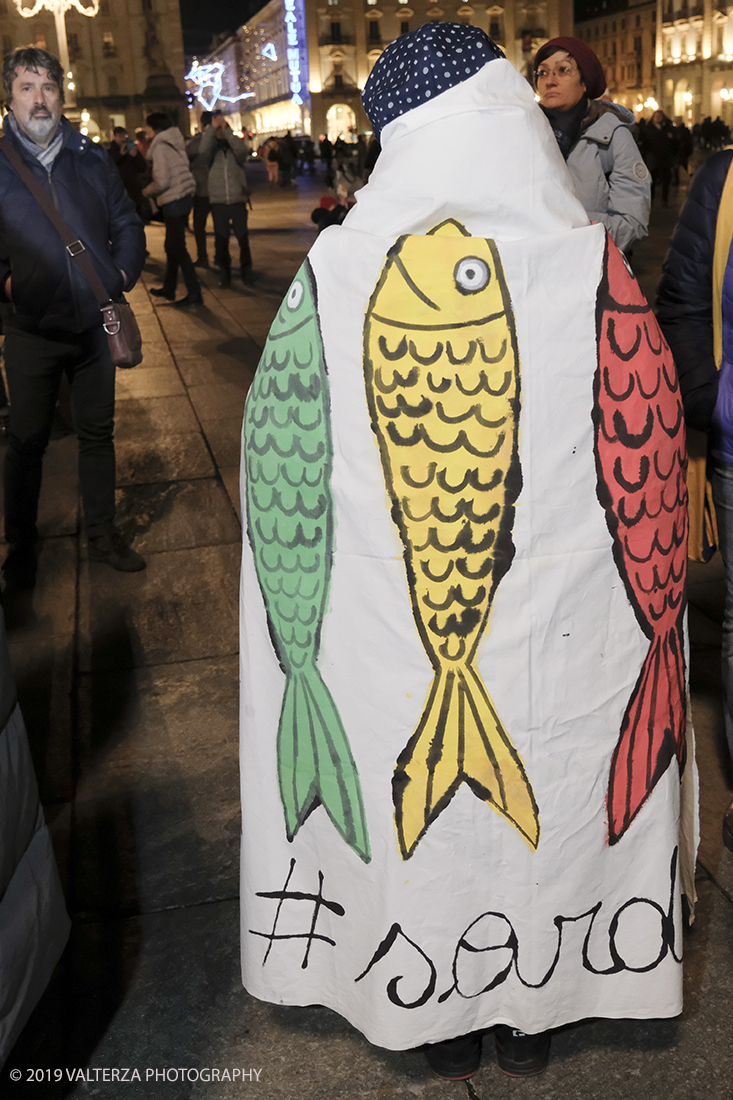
{"type": "Point", "coordinates": [74, 246]}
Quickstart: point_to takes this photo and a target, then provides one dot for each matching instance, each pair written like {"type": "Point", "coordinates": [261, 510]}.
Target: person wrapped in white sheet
{"type": "Point", "coordinates": [462, 640]}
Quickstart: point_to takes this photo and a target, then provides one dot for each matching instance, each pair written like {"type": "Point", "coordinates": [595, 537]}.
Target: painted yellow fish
{"type": "Point", "coordinates": [442, 381]}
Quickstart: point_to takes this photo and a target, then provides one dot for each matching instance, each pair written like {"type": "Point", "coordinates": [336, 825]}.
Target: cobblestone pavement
{"type": "Point", "coordinates": [128, 685]}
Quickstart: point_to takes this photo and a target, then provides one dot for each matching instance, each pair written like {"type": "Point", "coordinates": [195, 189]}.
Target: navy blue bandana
{"type": "Point", "coordinates": [422, 64]}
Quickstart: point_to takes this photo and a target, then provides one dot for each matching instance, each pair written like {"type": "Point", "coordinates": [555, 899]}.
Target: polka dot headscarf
{"type": "Point", "coordinates": [422, 64]}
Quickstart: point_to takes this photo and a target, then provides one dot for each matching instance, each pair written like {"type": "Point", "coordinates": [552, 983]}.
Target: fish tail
{"type": "Point", "coordinates": [460, 739]}
{"type": "Point", "coordinates": [652, 732]}
{"type": "Point", "coordinates": [315, 764]}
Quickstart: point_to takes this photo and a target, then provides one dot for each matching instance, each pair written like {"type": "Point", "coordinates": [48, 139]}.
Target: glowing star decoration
{"type": "Point", "coordinates": [208, 81]}
{"type": "Point", "coordinates": [269, 51]}
{"type": "Point", "coordinates": [294, 52]}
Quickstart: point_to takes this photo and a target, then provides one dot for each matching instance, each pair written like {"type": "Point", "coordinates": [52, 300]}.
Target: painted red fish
{"type": "Point", "coordinates": [641, 463]}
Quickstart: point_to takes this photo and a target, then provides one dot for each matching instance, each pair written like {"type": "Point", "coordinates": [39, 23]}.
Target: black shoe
{"type": "Point", "coordinates": [161, 292]}
{"type": "Point", "coordinates": [455, 1059]}
{"type": "Point", "coordinates": [189, 300]}
{"type": "Point", "coordinates": [521, 1055]}
{"type": "Point", "coordinates": [728, 828]}
{"type": "Point", "coordinates": [20, 566]}
{"type": "Point", "coordinates": [201, 263]}
{"type": "Point", "coordinates": [113, 550]}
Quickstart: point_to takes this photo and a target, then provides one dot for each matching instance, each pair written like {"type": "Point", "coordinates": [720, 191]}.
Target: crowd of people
{"type": "Point", "coordinates": [446, 300]}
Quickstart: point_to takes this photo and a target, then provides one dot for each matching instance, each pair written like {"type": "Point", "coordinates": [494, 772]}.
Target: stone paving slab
{"type": "Point", "coordinates": [230, 477]}
{"type": "Point", "coordinates": [163, 458]}
{"type": "Point", "coordinates": [224, 436]}
{"type": "Point", "coordinates": [157, 802]}
{"type": "Point", "coordinates": [142, 381]}
{"type": "Point", "coordinates": [154, 417]}
{"type": "Point", "coordinates": [183, 607]}
{"type": "Point", "coordinates": [176, 515]}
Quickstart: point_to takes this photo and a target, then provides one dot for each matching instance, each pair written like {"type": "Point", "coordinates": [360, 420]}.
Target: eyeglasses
{"type": "Point", "coordinates": [563, 72]}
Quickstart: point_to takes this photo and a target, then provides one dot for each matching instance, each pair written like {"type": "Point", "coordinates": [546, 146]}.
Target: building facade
{"type": "Point", "coordinates": [694, 58]}
{"type": "Point", "coordinates": [126, 61]}
{"type": "Point", "coordinates": [623, 34]}
{"type": "Point", "coordinates": [304, 63]}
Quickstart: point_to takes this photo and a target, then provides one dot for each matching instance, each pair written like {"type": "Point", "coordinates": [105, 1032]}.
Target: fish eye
{"type": "Point", "coordinates": [295, 296]}
{"type": "Point", "coordinates": [471, 275]}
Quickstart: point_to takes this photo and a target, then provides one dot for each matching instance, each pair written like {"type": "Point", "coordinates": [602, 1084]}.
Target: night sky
{"type": "Point", "coordinates": [202, 19]}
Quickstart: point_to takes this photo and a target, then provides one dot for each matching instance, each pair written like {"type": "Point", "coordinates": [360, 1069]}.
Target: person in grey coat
{"type": "Point", "coordinates": [173, 187]}
{"type": "Point", "coordinates": [594, 136]}
{"type": "Point", "coordinates": [228, 195]}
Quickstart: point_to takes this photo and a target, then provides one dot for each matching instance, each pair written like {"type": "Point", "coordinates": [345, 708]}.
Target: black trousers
{"type": "Point", "coordinates": [175, 216]}
{"type": "Point", "coordinates": [200, 214]}
{"type": "Point", "coordinates": [34, 365]}
{"type": "Point", "coordinates": [231, 217]}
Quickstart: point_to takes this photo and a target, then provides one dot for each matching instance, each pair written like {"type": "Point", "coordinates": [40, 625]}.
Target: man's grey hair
{"type": "Point", "coordinates": [35, 59]}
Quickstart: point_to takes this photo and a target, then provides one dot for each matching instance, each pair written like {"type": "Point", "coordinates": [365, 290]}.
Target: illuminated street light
{"type": "Point", "coordinates": [59, 9]}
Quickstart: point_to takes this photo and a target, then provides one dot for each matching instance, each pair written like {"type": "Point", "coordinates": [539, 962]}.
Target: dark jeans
{"type": "Point", "coordinates": [34, 365]}
{"type": "Point", "coordinates": [200, 214]}
{"type": "Point", "coordinates": [232, 216]}
{"type": "Point", "coordinates": [175, 216]}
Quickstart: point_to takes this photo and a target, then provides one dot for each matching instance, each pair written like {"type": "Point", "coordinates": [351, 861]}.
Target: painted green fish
{"type": "Point", "coordinates": [290, 524]}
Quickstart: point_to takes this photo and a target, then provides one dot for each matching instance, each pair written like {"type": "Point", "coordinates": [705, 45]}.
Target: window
{"type": "Point", "coordinates": [494, 29]}
{"type": "Point", "coordinates": [338, 81]}
{"type": "Point", "coordinates": [108, 44]}
{"type": "Point", "coordinates": [7, 43]}
{"type": "Point", "coordinates": [613, 49]}
{"type": "Point", "coordinates": [404, 26]}
{"type": "Point", "coordinates": [623, 24]}
{"type": "Point", "coordinates": [40, 41]}
{"type": "Point", "coordinates": [113, 86]}
{"type": "Point", "coordinates": [637, 45]}
{"type": "Point", "coordinates": [374, 35]}
{"type": "Point", "coordinates": [638, 20]}
{"type": "Point", "coordinates": [335, 32]}
{"type": "Point", "coordinates": [613, 26]}
{"type": "Point", "coordinates": [74, 48]}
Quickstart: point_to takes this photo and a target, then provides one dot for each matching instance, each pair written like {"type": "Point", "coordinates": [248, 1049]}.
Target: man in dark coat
{"type": "Point", "coordinates": [131, 165]}
{"type": "Point", "coordinates": [695, 311]}
{"type": "Point", "coordinates": [56, 324]}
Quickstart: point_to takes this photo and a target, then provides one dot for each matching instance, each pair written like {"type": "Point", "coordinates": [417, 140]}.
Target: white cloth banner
{"type": "Point", "coordinates": [462, 645]}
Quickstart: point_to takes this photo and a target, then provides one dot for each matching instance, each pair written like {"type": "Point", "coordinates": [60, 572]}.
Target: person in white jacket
{"type": "Point", "coordinates": [594, 136]}
{"type": "Point", "coordinates": [173, 187]}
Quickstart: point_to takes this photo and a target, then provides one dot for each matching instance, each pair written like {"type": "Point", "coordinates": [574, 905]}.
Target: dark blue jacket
{"type": "Point", "coordinates": [685, 294]}
{"type": "Point", "coordinates": [49, 291]}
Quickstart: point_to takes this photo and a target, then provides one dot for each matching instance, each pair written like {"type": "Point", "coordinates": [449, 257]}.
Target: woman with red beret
{"type": "Point", "coordinates": [594, 137]}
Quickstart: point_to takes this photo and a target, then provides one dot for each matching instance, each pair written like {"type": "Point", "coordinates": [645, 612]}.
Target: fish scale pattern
{"type": "Point", "coordinates": [442, 381]}
{"type": "Point", "coordinates": [642, 465]}
{"type": "Point", "coordinates": [290, 523]}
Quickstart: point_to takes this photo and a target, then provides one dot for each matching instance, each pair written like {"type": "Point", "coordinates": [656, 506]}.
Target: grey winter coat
{"type": "Point", "coordinates": [227, 179]}
{"type": "Point", "coordinates": [610, 177]}
{"type": "Point", "coordinates": [172, 177]}
{"type": "Point", "coordinates": [199, 166]}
